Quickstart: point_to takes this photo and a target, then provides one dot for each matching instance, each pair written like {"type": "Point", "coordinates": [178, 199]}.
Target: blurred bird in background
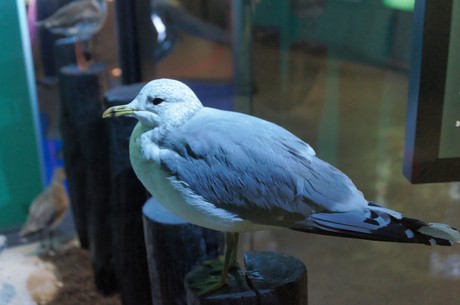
{"type": "Point", "coordinates": [80, 19]}
{"type": "Point", "coordinates": [48, 209]}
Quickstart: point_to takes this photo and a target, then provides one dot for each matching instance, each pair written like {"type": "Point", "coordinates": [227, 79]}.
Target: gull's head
{"type": "Point", "coordinates": [161, 102]}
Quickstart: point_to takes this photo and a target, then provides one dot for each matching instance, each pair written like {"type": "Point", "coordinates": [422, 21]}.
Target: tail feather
{"type": "Point", "coordinates": [441, 231]}
{"type": "Point", "coordinates": [380, 224]}
{"type": "Point", "coordinates": [27, 231]}
{"type": "Point", "coordinates": [42, 23]}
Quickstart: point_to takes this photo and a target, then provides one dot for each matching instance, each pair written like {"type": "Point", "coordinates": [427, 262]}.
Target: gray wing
{"type": "Point", "coordinates": [255, 169]}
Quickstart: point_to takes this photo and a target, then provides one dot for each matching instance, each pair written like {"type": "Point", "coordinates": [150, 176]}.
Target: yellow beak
{"type": "Point", "coordinates": [116, 111]}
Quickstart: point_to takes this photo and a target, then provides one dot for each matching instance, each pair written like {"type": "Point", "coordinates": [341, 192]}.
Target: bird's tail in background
{"type": "Point", "coordinates": [28, 229]}
{"type": "Point", "coordinates": [41, 23]}
{"type": "Point", "coordinates": [25, 232]}
{"type": "Point", "coordinates": [379, 223]}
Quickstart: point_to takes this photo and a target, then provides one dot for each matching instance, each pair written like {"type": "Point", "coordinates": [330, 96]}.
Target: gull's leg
{"type": "Point", "coordinates": [82, 63]}
{"type": "Point", "coordinates": [51, 251]}
{"type": "Point", "coordinates": [231, 240]}
{"type": "Point", "coordinates": [234, 251]}
{"type": "Point", "coordinates": [213, 283]}
{"type": "Point", "coordinates": [40, 238]}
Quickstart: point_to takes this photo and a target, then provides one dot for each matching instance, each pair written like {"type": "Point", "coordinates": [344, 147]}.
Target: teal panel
{"type": "Point", "coordinates": [21, 177]}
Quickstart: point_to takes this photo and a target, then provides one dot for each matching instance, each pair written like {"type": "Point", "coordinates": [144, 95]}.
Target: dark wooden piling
{"type": "Point", "coordinates": [174, 247]}
{"type": "Point", "coordinates": [128, 195]}
{"type": "Point", "coordinates": [85, 149]}
{"type": "Point", "coordinates": [277, 278]}
{"type": "Point", "coordinates": [128, 41]}
{"type": "Point", "coordinates": [271, 278]}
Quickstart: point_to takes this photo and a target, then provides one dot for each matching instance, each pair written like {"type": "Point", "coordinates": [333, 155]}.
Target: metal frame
{"type": "Point", "coordinates": [422, 164]}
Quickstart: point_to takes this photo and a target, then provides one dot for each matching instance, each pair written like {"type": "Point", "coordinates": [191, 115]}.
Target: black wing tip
{"type": "Point", "coordinates": [390, 229]}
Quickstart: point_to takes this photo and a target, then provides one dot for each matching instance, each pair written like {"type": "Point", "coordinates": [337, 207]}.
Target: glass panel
{"type": "Point", "coordinates": [335, 73]}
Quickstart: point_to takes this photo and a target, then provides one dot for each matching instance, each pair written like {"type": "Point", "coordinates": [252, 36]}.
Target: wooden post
{"type": "Point", "coordinates": [271, 278]}
{"type": "Point", "coordinates": [128, 44]}
{"type": "Point", "coordinates": [85, 148]}
{"type": "Point", "coordinates": [174, 247]}
{"type": "Point", "coordinates": [128, 195]}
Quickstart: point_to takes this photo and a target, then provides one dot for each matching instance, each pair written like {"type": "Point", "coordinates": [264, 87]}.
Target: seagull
{"type": "Point", "coordinates": [79, 19]}
{"type": "Point", "coordinates": [48, 209]}
{"type": "Point", "coordinates": [233, 172]}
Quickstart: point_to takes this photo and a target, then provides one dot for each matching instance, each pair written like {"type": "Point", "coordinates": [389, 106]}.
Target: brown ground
{"type": "Point", "coordinates": [75, 272]}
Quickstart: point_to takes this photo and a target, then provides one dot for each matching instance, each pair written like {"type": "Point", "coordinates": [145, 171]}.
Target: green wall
{"type": "Point", "coordinates": [21, 173]}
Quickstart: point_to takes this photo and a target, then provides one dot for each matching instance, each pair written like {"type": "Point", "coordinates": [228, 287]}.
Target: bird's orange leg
{"type": "Point", "coordinates": [82, 63]}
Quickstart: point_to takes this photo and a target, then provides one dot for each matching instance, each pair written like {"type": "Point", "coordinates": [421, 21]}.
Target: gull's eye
{"type": "Point", "coordinates": [156, 100]}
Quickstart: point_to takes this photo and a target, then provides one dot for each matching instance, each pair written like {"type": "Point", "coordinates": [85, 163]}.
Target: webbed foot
{"type": "Point", "coordinates": [207, 285]}
{"type": "Point", "coordinates": [213, 274]}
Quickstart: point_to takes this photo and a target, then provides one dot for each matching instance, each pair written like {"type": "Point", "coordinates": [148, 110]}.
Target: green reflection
{"type": "Point", "coordinates": [405, 5]}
